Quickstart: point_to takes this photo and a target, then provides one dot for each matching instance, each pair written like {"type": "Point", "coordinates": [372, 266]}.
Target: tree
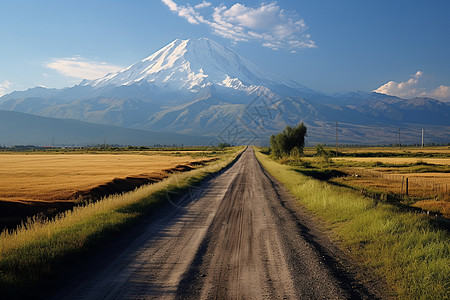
{"type": "Point", "coordinates": [320, 151]}
{"type": "Point", "coordinates": [284, 142]}
{"type": "Point", "coordinates": [223, 145]}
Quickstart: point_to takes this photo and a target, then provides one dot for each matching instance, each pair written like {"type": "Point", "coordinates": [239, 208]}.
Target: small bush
{"type": "Point", "coordinates": [320, 151]}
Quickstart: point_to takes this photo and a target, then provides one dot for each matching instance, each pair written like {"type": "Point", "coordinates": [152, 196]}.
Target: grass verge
{"type": "Point", "coordinates": [41, 248]}
{"type": "Point", "coordinates": [404, 248]}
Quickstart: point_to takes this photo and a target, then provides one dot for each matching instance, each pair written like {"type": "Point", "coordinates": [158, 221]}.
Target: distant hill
{"type": "Point", "coordinates": [25, 129]}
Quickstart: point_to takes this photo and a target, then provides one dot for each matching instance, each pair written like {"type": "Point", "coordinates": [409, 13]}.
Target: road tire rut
{"type": "Point", "coordinates": [241, 236]}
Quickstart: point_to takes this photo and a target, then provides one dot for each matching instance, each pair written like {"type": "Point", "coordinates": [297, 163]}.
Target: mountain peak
{"type": "Point", "coordinates": [192, 64]}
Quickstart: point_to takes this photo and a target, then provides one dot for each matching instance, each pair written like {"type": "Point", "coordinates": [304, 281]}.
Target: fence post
{"type": "Point", "coordinates": [406, 190]}
{"type": "Point", "coordinates": [401, 190]}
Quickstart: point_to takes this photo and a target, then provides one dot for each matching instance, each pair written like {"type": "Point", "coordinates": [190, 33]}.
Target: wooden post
{"type": "Point", "coordinates": [401, 190]}
{"type": "Point", "coordinates": [406, 189]}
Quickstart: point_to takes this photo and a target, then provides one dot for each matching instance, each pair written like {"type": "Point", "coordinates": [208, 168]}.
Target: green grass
{"type": "Point", "coordinates": [402, 247]}
{"type": "Point", "coordinates": [40, 249]}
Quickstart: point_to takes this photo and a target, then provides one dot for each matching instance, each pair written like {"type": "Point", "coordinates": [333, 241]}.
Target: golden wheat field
{"type": "Point", "coordinates": [53, 177]}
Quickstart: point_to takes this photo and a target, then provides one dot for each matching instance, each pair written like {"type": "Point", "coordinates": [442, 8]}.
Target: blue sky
{"type": "Point", "coordinates": [395, 47]}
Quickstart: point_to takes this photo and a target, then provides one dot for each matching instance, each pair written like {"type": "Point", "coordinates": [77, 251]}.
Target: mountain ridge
{"type": "Point", "coordinates": [200, 87]}
{"type": "Point", "coordinates": [199, 63]}
{"type": "Point", "coordinates": [18, 128]}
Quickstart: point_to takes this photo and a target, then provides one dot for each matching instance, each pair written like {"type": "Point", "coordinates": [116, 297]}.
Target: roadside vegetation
{"type": "Point", "coordinates": [411, 178]}
{"type": "Point", "coordinates": [405, 248]}
{"type": "Point", "coordinates": [290, 142]}
{"type": "Point", "coordinates": [39, 249]}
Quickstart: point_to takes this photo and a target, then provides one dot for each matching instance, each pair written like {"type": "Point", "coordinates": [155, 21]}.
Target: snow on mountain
{"type": "Point", "coordinates": [191, 65]}
{"type": "Point", "coordinates": [200, 87]}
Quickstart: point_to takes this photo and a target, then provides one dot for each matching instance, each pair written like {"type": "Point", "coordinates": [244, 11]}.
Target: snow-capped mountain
{"type": "Point", "coordinates": [192, 65]}
{"type": "Point", "coordinates": [199, 87]}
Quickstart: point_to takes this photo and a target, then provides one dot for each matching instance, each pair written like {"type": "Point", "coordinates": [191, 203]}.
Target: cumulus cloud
{"type": "Point", "coordinates": [272, 26]}
{"type": "Point", "coordinates": [406, 89]}
{"type": "Point", "coordinates": [414, 87]}
{"type": "Point", "coordinates": [202, 5]}
{"type": "Point", "coordinates": [4, 86]}
{"type": "Point", "coordinates": [79, 67]}
{"type": "Point", "coordinates": [441, 93]}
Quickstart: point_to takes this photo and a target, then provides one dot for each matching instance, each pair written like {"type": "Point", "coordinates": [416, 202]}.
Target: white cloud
{"type": "Point", "coordinates": [414, 87]}
{"type": "Point", "coordinates": [272, 26]}
{"type": "Point", "coordinates": [442, 93]}
{"type": "Point", "coordinates": [4, 86]}
{"type": "Point", "coordinates": [79, 67]}
{"type": "Point", "coordinates": [186, 12]}
{"type": "Point", "coordinates": [254, 18]}
{"type": "Point", "coordinates": [406, 89]}
{"type": "Point", "coordinates": [203, 5]}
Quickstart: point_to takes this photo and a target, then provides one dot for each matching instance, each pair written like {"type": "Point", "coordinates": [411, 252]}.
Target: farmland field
{"type": "Point", "coordinates": [385, 171]}
{"type": "Point", "coordinates": [49, 183]}
{"type": "Point", "coordinates": [58, 177]}
{"type": "Point", "coordinates": [396, 160]}
{"type": "Point", "coordinates": [440, 150]}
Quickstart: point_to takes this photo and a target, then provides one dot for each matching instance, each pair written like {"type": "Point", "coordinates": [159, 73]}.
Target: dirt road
{"type": "Point", "coordinates": [237, 236]}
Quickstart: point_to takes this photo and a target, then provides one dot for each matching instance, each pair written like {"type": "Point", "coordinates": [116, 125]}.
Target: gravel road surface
{"type": "Point", "coordinates": [238, 235]}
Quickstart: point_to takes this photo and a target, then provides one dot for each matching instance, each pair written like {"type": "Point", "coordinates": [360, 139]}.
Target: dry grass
{"type": "Point", "coordinates": [395, 160]}
{"type": "Point", "coordinates": [348, 150]}
{"type": "Point", "coordinates": [434, 187]}
{"type": "Point", "coordinates": [385, 177]}
{"type": "Point", "coordinates": [53, 177]}
{"type": "Point", "coordinates": [443, 149]}
{"type": "Point", "coordinates": [442, 207]}
{"type": "Point", "coordinates": [418, 182]}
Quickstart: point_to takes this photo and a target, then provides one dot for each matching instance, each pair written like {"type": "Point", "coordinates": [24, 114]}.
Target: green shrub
{"type": "Point", "coordinates": [283, 143]}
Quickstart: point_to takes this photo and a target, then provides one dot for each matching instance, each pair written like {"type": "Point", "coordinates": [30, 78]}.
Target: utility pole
{"type": "Point", "coordinates": [422, 137]}
{"type": "Point", "coordinates": [337, 140]}
{"type": "Point", "coordinates": [399, 141]}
